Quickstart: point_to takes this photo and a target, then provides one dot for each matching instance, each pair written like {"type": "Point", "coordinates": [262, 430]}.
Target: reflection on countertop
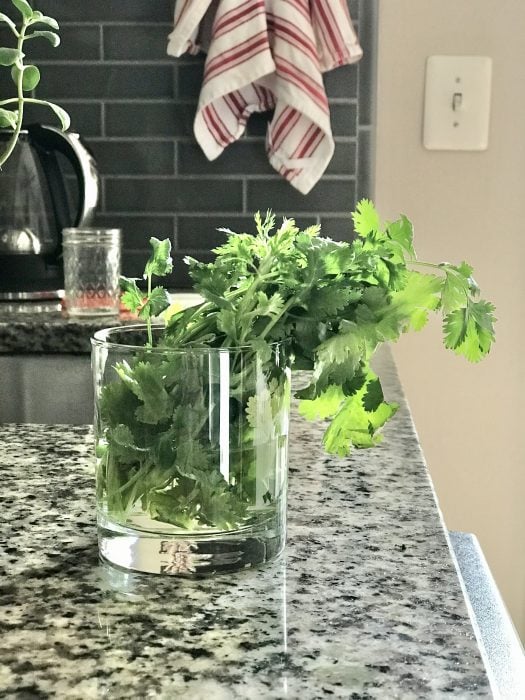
{"type": "Point", "coordinates": [366, 602]}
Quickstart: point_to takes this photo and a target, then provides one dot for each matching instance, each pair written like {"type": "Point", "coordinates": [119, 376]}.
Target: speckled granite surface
{"type": "Point", "coordinates": [365, 604]}
{"type": "Point", "coordinates": [50, 332]}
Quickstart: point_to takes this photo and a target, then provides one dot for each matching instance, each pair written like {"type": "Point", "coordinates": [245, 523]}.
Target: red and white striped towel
{"type": "Point", "coordinates": [268, 54]}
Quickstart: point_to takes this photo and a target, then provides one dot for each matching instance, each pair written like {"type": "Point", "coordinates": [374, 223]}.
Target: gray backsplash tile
{"type": "Point", "coordinates": [77, 43]}
{"type": "Point", "coordinates": [344, 119]}
{"type": "Point", "coordinates": [239, 158]}
{"type": "Point", "coordinates": [135, 107]}
{"type": "Point", "coordinates": [258, 124]}
{"type": "Point", "coordinates": [107, 10]}
{"type": "Point", "coordinates": [86, 117]}
{"type": "Point", "coordinates": [141, 157]}
{"type": "Point", "coordinates": [365, 176]}
{"type": "Point", "coordinates": [136, 42]}
{"type": "Point", "coordinates": [106, 81]}
{"type": "Point", "coordinates": [341, 82]}
{"type": "Point", "coordinates": [338, 228]}
{"type": "Point", "coordinates": [137, 230]}
{"type": "Point", "coordinates": [125, 194]}
{"type": "Point", "coordinates": [190, 80]}
{"type": "Point", "coordinates": [328, 195]}
{"type": "Point", "coordinates": [344, 158]}
{"type": "Point", "coordinates": [149, 119]}
{"type": "Point", "coordinates": [367, 65]}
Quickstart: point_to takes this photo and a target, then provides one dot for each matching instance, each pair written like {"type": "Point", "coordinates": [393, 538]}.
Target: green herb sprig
{"type": "Point", "coordinates": [25, 76]}
{"type": "Point", "coordinates": [157, 299]}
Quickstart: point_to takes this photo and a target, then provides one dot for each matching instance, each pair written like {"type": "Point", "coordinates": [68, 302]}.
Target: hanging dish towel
{"type": "Point", "coordinates": [266, 55]}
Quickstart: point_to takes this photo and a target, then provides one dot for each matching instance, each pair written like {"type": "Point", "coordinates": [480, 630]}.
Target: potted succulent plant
{"type": "Point", "coordinates": [32, 25]}
{"type": "Point", "coordinates": [192, 416]}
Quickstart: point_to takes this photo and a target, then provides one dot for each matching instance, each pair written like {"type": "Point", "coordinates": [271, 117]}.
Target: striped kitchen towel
{"type": "Point", "coordinates": [262, 55]}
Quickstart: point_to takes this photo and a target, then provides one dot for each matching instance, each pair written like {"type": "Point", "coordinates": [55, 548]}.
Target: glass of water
{"type": "Point", "coordinates": [92, 271]}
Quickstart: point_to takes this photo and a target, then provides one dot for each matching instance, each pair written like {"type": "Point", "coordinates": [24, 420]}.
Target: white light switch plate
{"type": "Point", "coordinates": [457, 103]}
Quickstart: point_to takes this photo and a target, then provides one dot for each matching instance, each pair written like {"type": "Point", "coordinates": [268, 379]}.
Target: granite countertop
{"type": "Point", "coordinates": [52, 332]}
{"type": "Point", "coordinates": [365, 603]}
{"type": "Point", "coordinates": [48, 332]}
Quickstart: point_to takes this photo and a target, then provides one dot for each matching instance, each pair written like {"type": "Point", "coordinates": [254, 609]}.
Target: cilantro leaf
{"type": "Point", "coordinates": [409, 306]}
{"type": "Point", "coordinates": [160, 262]}
{"type": "Point", "coordinates": [356, 424]}
{"type": "Point", "coordinates": [123, 444]}
{"type": "Point", "coordinates": [268, 306]}
{"type": "Point", "coordinates": [324, 406]}
{"type": "Point", "coordinates": [155, 303]}
{"type": "Point", "coordinates": [402, 233]}
{"type": "Point", "coordinates": [132, 298]}
{"type": "Point", "coordinates": [366, 218]}
{"type": "Point", "coordinates": [146, 382]}
{"type": "Point", "coordinates": [469, 331]}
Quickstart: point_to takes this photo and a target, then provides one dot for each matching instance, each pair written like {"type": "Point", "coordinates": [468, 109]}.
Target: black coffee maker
{"type": "Point", "coordinates": [50, 182]}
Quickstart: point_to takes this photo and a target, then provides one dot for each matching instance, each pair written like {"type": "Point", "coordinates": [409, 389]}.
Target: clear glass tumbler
{"type": "Point", "coordinates": [191, 448]}
{"type": "Point", "coordinates": [91, 271]}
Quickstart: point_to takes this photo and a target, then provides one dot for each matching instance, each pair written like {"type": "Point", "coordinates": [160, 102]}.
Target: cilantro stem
{"type": "Point", "coordinates": [148, 320]}
{"type": "Point", "coordinates": [448, 269]}
{"type": "Point", "coordinates": [421, 263]}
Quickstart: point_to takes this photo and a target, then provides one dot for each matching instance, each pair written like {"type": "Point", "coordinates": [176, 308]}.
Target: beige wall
{"type": "Point", "coordinates": [464, 205]}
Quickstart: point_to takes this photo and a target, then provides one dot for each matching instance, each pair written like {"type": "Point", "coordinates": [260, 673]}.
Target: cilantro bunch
{"type": "Point", "coordinates": [327, 305]}
{"type": "Point", "coordinates": [334, 302]}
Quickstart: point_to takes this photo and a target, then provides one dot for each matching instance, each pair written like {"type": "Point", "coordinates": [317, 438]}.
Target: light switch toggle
{"type": "Point", "coordinates": [457, 101]}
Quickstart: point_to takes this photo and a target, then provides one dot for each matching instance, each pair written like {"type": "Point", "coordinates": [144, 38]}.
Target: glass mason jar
{"type": "Point", "coordinates": [191, 452]}
{"type": "Point", "coordinates": [92, 271]}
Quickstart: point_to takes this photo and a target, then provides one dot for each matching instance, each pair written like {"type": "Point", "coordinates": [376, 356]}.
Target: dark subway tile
{"type": "Point", "coordinates": [339, 228]}
{"type": "Point", "coordinates": [342, 82]}
{"type": "Point", "coordinates": [344, 119]}
{"type": "Point", "coordinates": [136, 42]}
{"type": "Point", "coordinates": [344, 159]}
{"type": "Point", "coordinates": [190, 80]}
{"type": "Point", "coordinates": [137, 230]}
{"type": "Point", "coordinates": [85, 116]}
{"type": "Point", "coordinates": [77, 43]}
{"type": "Point", "coordinates": [160, 119]}
{"type": "Point", "coordinates": [200, 232]}
{"type": "Point", "coordinates": [172, 195]}
{"type": "Point", "coordinates": [241, 157]}
{"type": "Point", "coordinates": [136, 157]}
{"type": "Point", "coordinates": [258, 123]}
{"type": "Point", "coordinates": [365, 164]}
{"type": "Point", "coordinates": [107, 10]}
{"type": "Point", "coordinates": [367, 65]}
{"type": "Point", "coordinates": [328, 195]}
{"type": "Point", "coordinates": [105, 81]}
